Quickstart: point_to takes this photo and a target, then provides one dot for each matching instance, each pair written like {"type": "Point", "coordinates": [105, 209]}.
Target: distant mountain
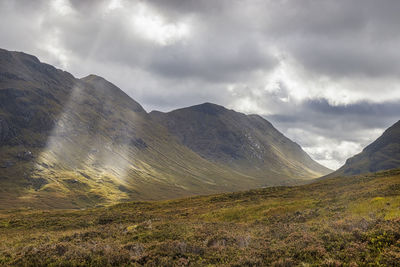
{"type": "Point", "coordinates": [247, 143]}
{"type": "Point", "coordinates": [382, 154]}
{"type": "Point", "coordinates": [67, 142]}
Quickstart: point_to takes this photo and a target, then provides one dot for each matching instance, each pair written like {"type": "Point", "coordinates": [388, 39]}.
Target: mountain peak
{"type": "Point", "coordinates": [205, 108]}
{"type": "Point", "coordinates": [106, 87]}
{"type": "Point", "coordinates": [209, 104]}
{"type": "Point", "coordinates": [95, 78]}
{"type": "Point", "coordinates": [208, 108]}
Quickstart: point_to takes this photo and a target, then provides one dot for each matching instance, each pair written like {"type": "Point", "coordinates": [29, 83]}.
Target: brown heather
{"type": "Point", "coordinates": [345, 221]}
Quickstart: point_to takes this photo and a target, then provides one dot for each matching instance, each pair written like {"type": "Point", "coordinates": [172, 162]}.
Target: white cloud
{"type": "Point", "coordinates": [152, 26]}
{"type": "Point", "coordinates": [62, 7]}
{"type": "Point", "coordinates": [114, 4]}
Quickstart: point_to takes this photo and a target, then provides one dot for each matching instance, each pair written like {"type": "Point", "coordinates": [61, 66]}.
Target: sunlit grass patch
{"type": "Point", "coordinates": [251, 213]}
{"type": "Point", "coordinates": [385, 207]}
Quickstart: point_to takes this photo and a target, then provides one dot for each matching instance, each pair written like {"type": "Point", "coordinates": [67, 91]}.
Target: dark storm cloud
{"type": "Point", "coordinates": [326, 73]}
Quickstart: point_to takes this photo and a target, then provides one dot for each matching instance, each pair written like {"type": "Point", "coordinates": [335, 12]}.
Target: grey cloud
{"type": "Point", "coordinates": [342, 122]}
{"type": "Point", "coordinates": [219, 62]}
{"type": "Point", "coordinates": [334, 38]}
{"type": "Point", "coordinates": [339, 38]}
{"type": "Point", "coordinates": [322, 128]}
{"type": "Point", "coordinates": [343, 58]}
{"type": "Point", "coordinates": [220, 52]}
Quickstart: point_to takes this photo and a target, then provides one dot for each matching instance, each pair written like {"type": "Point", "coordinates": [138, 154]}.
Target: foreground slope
{"type": "Point", "coordinates": [350, 221]}
{"type": "Point", "coordinates": [382, 154]}
{"type": "Point", "coordinates": [248, 143]}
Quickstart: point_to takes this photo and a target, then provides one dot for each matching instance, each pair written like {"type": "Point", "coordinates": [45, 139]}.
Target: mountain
{"type": "Point", "coordinates": [382, 154]}
{"type": "Point", "coordinates": [247, 143]}
{"type": "Point", "coordinates": [70, 143]}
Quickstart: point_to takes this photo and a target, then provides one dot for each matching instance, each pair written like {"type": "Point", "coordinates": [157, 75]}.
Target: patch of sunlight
{"type": "Point", "coordinates": [386, 207]}
{"type": "Point", "coordinates": [77, 142]}
{"type": "Point", "coordinates": [242, 213]}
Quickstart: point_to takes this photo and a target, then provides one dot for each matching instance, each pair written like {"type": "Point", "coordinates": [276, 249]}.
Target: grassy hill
{"type": "Point", "coordinates": [350, 221]}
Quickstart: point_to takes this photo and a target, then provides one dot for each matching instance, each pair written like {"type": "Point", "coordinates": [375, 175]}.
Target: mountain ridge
{"type": "Point", "coordinates": [223, 135]}
{"type": "Point", "coordinates": [68, 143]}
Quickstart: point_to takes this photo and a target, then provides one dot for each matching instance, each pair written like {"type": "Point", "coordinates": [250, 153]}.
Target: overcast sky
{"type": "Point", "coordinates": [325, 73]}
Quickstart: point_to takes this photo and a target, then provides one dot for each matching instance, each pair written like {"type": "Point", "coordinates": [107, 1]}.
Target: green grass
{"type": "Point", "coordinates": [352, 221]}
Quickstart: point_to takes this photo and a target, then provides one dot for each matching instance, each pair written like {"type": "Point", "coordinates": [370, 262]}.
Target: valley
{"type": "Point", "coordinates": [199, 133]}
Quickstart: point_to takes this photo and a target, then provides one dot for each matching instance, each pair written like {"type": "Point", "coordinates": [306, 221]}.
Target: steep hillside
{"type": "Point", "coordinates": [382, 154]}
{"type": "Point", "coordinates": [248, 143]}
{"type": "Point", "coordinates": [67, 142]}
{"type": "Point", "coordinates": [347, 221]}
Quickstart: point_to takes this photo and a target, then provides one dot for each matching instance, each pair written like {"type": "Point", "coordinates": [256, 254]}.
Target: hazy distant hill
{"type": "Point", "coordinates": [382, 154]}
{"type": "Point", "coordinates": [247, 143]}
{"type": "Point", "coordinates": [67, 142]}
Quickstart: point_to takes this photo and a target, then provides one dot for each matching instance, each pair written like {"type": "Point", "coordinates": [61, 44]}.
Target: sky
{"type": "Point", "coordinates": [325, 73]}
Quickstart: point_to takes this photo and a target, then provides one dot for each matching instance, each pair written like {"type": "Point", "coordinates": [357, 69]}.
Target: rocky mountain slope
{"type": "Point", "coordinates": [247, 143]}
{"type": "Point", "coordinates": [382, 154]}
{"type": "Point", "coordinates": [67, 142]}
